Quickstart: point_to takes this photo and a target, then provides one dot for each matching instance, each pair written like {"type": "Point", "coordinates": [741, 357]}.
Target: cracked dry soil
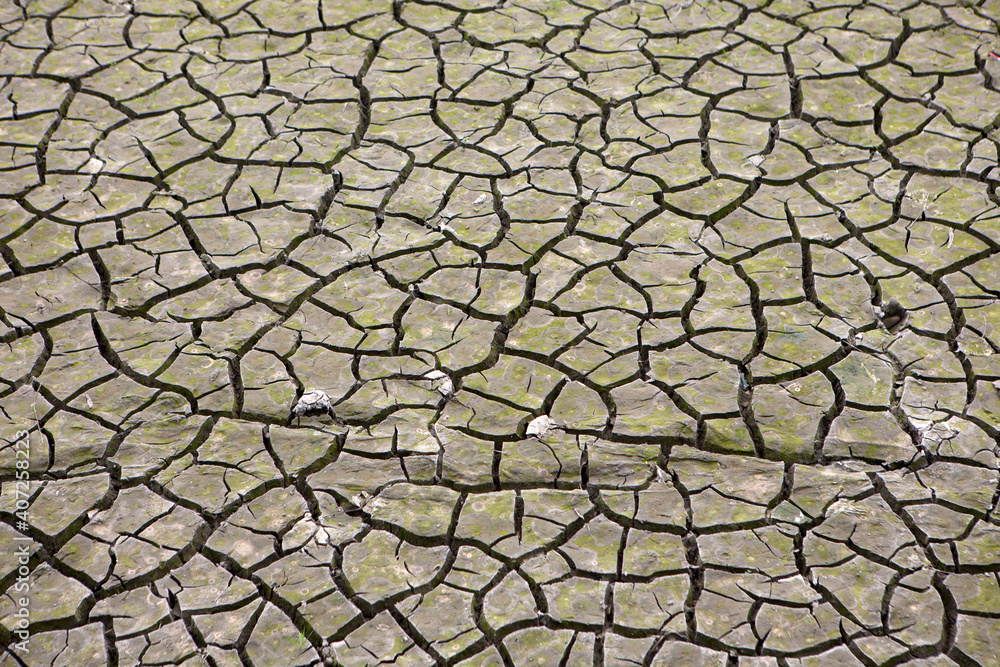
{"type": "Point", "coordinates": [439, 332]}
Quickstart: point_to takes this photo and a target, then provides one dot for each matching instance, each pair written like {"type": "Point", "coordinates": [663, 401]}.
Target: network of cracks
{"type": "Point", "coordinates": [549, 332]}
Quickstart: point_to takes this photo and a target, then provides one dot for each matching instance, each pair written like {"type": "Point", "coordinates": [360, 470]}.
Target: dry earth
{"type": "Point", "coordinates": [592, 294]}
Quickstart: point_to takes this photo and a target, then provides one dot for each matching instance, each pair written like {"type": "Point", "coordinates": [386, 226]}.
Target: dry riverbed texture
{"type": "Point", "coordinates": [536, 332]}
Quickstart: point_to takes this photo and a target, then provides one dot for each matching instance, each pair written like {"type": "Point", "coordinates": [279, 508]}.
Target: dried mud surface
{"type": "Point", "coordinates": [591, 291]}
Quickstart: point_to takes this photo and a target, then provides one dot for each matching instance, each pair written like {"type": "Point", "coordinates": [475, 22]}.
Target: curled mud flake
{"type": "Point", "coordinates": [892, 316]}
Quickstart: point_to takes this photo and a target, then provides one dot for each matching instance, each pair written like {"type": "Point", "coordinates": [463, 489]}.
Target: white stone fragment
{"type": "Point", "coordinates": [539, 426]}
{"type": "Point", "coordinates": [481, 199]}
{"type": "Point", "coordinates": [313, 401]}
{"type": "Point", "coordinates": [316, 532]}
{"type": "Point", "coordinates": [446, 387]}
{"type": "Point", "coordinates": [93, 166]}
{"type": "Point", "coordinates": [756, 160]}
{"type": "Point", "coordinates": [854, 337]}
{"type": "Point", "coordinates": [845, 506]}
{"type": "Point", "coordinates": [322, 537]}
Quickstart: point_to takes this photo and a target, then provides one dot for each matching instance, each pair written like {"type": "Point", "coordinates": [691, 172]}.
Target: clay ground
{"type": "Point", "coordinates": [592, 291]}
